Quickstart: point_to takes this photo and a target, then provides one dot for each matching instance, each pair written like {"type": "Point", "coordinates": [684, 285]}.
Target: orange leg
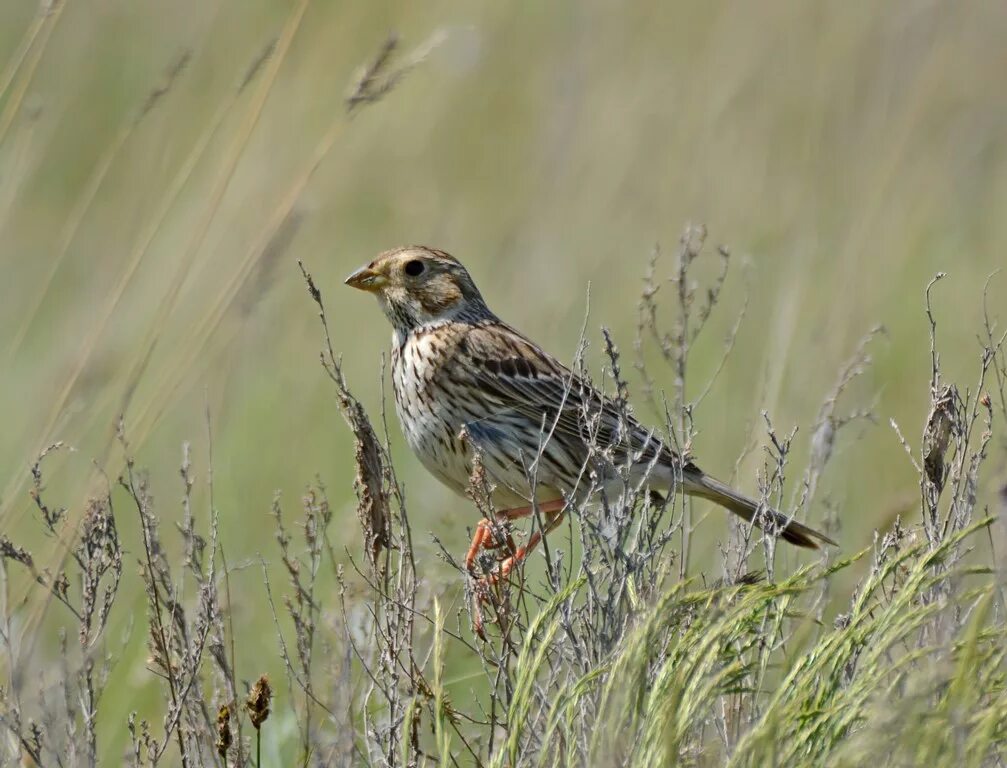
{"type": "Point", "coordinates": [508, 564]}
{"type": "Point", "coordinates": [553, 511]}
{"type": "Point", "coordinates": [484, 538]}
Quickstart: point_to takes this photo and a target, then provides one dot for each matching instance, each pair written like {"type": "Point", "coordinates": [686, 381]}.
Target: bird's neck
{"type": "Point", "coordinates": [472, 313]}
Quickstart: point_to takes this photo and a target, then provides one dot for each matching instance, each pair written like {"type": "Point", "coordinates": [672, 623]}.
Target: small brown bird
{"type": "Point", "coordinates": [467, 382]}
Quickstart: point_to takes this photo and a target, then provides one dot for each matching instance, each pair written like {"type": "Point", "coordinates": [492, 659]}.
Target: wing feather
{"type": "Point", "coordinates": [522, 378]}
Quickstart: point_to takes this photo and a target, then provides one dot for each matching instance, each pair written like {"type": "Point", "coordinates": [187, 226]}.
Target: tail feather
{"type": "Point", "coordinates": [706, 487]}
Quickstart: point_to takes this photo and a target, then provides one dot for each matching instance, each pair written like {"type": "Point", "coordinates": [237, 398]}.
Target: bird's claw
{"type": "Point", "coordinates": [488, 536]}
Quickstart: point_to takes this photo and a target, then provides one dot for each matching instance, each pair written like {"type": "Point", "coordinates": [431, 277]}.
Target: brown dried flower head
{"type": "Point", "coordinates": [257, 702]}
{"type": "Point", "coordinates": [223, 730]}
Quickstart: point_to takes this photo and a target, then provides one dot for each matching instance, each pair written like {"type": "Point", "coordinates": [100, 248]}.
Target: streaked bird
{"type": "Point", "coordinates": [467, 383]}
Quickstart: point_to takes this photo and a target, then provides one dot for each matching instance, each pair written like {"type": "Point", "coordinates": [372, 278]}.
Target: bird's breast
{"type": "Point", "coordinates": [425, 403]}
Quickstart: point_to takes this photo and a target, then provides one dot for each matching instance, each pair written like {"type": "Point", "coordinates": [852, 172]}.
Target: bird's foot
{"type": "Point", "coordinates": [491, 588]}
{"type": "Point", "coordinates": [489, 534]}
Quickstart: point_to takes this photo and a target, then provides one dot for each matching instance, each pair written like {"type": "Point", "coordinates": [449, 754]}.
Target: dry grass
{"type": "Point", "coordinates": [161, 171]}
{"type": "Point", "coordinates": [607, 651]}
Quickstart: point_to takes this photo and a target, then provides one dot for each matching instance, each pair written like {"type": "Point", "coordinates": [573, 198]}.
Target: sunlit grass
{"type": "Point", "coordinates": [847, 153]}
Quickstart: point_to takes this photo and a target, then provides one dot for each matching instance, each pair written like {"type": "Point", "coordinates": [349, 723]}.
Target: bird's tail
{"type": "Point", "coordinates": [706, 487]}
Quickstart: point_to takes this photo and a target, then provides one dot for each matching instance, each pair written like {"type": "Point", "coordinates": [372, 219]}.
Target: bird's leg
{"type": "Point", "coordinates": [553, 510]}
{"type": "Point", "coordinates": [485, 537]}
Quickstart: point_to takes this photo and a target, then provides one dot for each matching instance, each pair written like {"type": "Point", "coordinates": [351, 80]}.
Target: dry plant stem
{"type": "Point", "coordinates": [828, 424]}
{"type": "Point", "coordinates": [604, 657]}
{"type": "Point", "coordinates": [950, 455]}
{"type": "Point", "coordinates": [220, 637]}
{"type": "Point", "coordinates": [288, 659]}
{"type": "Point", "coordinates": [178, 643]}
{"type": "Point", "coordinates": [143, 244]}
{"type": "Point", "coordinates": [999, 361]}
{"type": "Point", "coordinates": [158, 630]}
{"type": "Point", "coordinates": [96, 558]}
{"type": "Point", "coordinates": [692, 317]}
{"type": "Point", "coordinates": [397, 673]}
{"type": "Point", "coordinates": [302, 607]}
{"type": "Point", "coordinates": [10, 716]}
{"type": "Point", "coordinates": [690, 246]}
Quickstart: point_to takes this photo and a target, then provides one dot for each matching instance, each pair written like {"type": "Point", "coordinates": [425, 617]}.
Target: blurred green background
{"type": "Point", "coordinates": [845, 152]}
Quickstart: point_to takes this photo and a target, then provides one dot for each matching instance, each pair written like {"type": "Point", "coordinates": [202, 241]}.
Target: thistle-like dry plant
{"type": "Point", "coordinates": [603, 650]}
{"type": "Point", "coordinates": [608, 652]}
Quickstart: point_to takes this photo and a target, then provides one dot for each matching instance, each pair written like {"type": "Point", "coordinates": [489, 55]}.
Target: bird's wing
{"type": "Point", "coordinates": [530, 392]}
{"type": "Point", "coordinates": [520, 378]}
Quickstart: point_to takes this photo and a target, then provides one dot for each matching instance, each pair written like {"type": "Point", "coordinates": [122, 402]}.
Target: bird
{"type": "Point", "coordinates": [468, 386]}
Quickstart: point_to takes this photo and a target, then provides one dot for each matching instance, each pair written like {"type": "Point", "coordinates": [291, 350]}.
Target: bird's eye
{"type": "Point", "coordinates": [414, 268]}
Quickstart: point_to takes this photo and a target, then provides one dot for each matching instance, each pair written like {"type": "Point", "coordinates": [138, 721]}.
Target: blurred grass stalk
{"type": "Point", "coordinates": [870, 205]}
{"type": "Point", "coordinates": [376, 81]}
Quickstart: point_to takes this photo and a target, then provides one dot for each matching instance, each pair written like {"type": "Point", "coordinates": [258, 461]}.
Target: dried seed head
{"type": "Point", "coordinates": [10, 551]}
{"type": "Point", "coordinates": [373, 508]}
{"type": "Point", "coordinates": [223, 730]}
{"type": "Point", "coordinates": [257, 702]}
{"type": "Point", "coordinates": [937, 434]}
{"type": "Point", "coordinates": [479, 489]}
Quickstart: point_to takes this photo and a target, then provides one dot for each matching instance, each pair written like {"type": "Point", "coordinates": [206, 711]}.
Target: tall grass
{"type": "Point", "coordinates": [602, 656]}
{"type": "Point", "coordinates": [161, 169]}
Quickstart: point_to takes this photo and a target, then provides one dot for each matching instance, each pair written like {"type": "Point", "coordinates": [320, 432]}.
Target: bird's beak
{"type": "Point", "coordinates": [366, 279]}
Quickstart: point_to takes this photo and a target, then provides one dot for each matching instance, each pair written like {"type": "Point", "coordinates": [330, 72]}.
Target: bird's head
{"type": "Point", "coordinates": [418, 286]}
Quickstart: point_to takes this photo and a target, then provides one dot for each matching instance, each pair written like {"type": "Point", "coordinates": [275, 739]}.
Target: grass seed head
{"type": "Point", "coordinates": [257, 702]}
